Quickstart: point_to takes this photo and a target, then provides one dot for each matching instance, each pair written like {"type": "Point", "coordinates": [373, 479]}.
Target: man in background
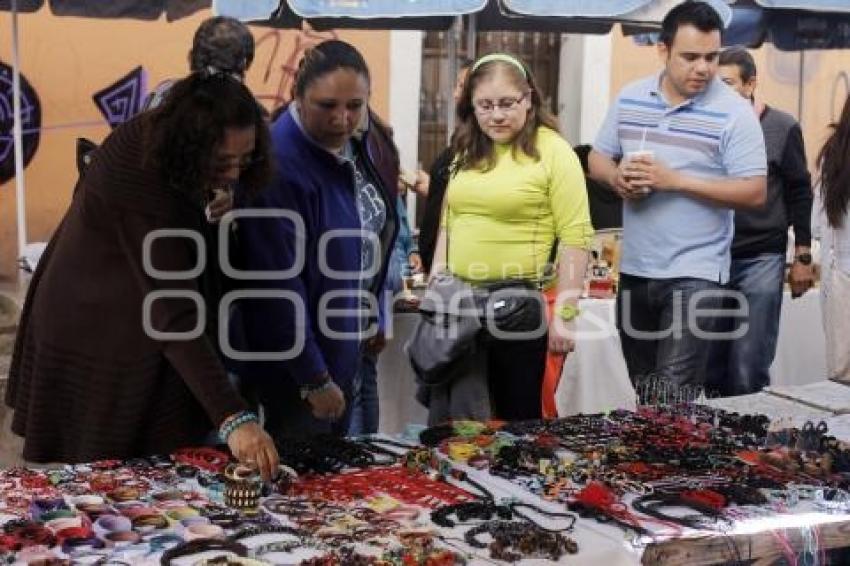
{"type": "Point", "coordinates": [221, 44]}
{"type": "Point", "coordinates": [760, 244]}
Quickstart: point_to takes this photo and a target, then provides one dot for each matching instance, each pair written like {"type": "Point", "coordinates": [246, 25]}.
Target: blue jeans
{"type": "Point", "coordinates": [656, 334]}
{"type": "Point", "coordinates": [364, 403]}
{"type": "Point", "coordinates": [741, 366]}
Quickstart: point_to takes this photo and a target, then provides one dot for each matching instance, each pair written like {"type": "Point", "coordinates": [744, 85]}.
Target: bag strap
{"type": "Point", "coordinates": [553, 252]}
{"type": "Point", "coordinates": [553, 256]}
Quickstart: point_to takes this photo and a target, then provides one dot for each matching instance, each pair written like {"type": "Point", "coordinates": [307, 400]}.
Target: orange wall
{"type": "Point", "coordinates": [66, 60]}
{"type": "Point", "coordinates": [778, 82]}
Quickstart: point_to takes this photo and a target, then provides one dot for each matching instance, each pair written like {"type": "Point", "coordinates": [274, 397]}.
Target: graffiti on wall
{"type": "Point", "coordinates": [118, 102]}
{"type": "Point", "coordinates": [278, 95]}
{"type": "Point", "coordinates": [122, 100]}
{"type": "Point", "coordinates": [30, 122]}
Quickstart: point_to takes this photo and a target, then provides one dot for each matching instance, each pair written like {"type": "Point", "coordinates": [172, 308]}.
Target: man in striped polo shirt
{"type": "Point", "coordinates": [700, 154]}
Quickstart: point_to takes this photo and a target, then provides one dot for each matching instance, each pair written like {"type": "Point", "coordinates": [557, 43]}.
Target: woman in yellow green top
{"type": "Point", "coordinates": [516, 194]}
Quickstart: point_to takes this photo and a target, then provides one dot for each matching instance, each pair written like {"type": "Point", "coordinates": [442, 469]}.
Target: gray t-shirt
{"type": "Point", "coordinates": [373, 217]}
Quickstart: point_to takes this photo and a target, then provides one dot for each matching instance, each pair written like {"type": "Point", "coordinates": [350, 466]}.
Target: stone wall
{"type": "Point", "coordinates": [10, 445]}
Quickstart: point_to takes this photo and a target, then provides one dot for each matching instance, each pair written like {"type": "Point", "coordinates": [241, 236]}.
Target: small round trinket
{"type": "Point", "coordinates": [243, 487]}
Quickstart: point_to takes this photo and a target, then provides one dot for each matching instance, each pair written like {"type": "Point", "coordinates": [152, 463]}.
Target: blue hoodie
{"type": "Point", "coordinates": [316, 186]}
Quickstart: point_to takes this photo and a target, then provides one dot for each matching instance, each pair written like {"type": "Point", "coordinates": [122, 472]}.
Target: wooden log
{"type": "Point", "coordinates": [763, 547]}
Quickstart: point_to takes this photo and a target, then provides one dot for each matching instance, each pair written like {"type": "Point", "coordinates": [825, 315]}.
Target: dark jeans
{"type": "Point", "coordinates": [660, 330]}
{"type": "Point", "coordinates": [364, 402]}
{"type": "Point", "coordinates": [515, 377]}
{"type": "Point", "coordinates": [741, 366]}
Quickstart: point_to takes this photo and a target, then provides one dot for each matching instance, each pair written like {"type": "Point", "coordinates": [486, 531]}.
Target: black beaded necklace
{"type": "Point", "coordinates": [514, 541]}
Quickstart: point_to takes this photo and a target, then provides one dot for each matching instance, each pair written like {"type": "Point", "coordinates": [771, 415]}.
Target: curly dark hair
{"type": "Point", "coordinates": [835, 170]}
{"type": "Point", "coordinates": [183, 133]}
{"type": "Point", "coordinates": [473, 148]}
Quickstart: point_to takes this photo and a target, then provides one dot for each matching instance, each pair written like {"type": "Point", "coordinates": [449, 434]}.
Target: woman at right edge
{"type": "Point", "coordinates": [834, 223]}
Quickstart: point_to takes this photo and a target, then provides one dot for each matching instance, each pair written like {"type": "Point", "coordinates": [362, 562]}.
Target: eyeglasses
{"type": "Point", "coordinates": [507, 104]}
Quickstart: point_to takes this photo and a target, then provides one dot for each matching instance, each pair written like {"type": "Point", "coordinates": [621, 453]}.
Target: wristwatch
{"type": "Point", "coordinates": [804, 258]}
{"type": "Point", "coordinates": [321, 383]}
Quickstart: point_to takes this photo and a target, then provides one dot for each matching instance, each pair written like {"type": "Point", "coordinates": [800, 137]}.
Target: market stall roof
{"type": "Point", "coordinates": [136, 9]}
{"type": "Point", "coordinates": [810, 5]}
{"type": "Point", "coordinates": [790, 25]}
{"type": "Point", "coordinates": [22, 5]}
{"type": "Point", "coordinates": [432, 13]}
{"type": "Point", "coordinates": [565, 16]}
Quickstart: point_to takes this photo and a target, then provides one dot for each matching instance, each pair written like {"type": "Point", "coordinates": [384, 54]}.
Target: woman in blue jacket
{"type": "Point", "coordinates": [318, 247]}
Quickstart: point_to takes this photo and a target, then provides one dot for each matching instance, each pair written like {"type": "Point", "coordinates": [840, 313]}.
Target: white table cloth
{"type": "Point", "coordinates": [826, 395]}
{"type": "Point", "coordinates": [595, 377]}
{"type": "Point", "coordinates": [778, 409]}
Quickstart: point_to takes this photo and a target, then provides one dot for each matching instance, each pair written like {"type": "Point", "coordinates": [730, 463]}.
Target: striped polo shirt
{"type": "Point", "coordinates": [715, 135]}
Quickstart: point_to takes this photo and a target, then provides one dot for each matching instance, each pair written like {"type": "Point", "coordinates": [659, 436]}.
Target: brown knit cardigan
{"type": "Point", "coordinates": [86, 381]}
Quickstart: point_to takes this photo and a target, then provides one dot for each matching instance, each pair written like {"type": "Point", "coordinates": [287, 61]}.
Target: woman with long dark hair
{"type": "Point", "coordinates": [116, 353]}
{"type": "Point", "coordinates": [515, 205]}
{"type": "Point", "coordinates": [834, 164]}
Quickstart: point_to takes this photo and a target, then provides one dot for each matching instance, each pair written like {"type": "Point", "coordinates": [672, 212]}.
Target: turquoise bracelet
{"type": "Point", "coordinates": [235, 422]}
{"type": "Point", "coordinates": [225, 425]}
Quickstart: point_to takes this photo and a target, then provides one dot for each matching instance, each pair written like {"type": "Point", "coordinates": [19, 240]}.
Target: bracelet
{"type": "Point", "coordinates": [87, 499]}
{"type": "Point", "coordinates": [234, 421]}
{"type": "Point", "coordinates": [57, 514]}
{"type": "Point", "coordinates": [149, 522]}
{"type": "Point", "coordinates": [231, 417]}
{"type": "Point", "coordinates": [204, 458]}
{"type": "Point", "coordinates": [46, 509]}
{"type": "Point", "coordinates": [201, 531]}
{"type": "Point", "coordinates": [163, 542]}
{"type": "Point", "coordinates": [57, 525]}
{"type": "Point", "coordinates": [125, 493]}
{"type": "Point", "coordinates": [180, 513]}
{"type": "Point", "coordinates": [243, 487]}
{"type": "Point", "coordinates": [89, 542]}
{"type": "Point", "coordinates": [203, 545]}
{"type": "Point", "coordinates": [122, 538]}
{"type": "Point", "coordinates": [257, 530]}
{"type": "Point", "coordinates": [281, 546]}
{"type": "Point", "coordinates": [567, 312]}
{"type": "Point", "coordinates": [230, 560]}
{"type": "Point", "coordinates": [106, 524]}
{"type": "Point", "coordinates": [35, 555]}
{"type": "Point", "coordinates": [94, 511]}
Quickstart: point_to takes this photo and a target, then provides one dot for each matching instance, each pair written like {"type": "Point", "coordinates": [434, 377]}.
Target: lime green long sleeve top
{"type": "Point", "coordinates": [502, 223]}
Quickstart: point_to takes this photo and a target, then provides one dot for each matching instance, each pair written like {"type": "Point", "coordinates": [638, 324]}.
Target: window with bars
{"type": "Point", "coordinates": [539, 50]}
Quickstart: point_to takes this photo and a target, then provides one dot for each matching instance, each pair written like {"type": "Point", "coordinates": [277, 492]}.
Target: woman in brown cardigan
{"type": "Point", "coordinates": [105, 365]}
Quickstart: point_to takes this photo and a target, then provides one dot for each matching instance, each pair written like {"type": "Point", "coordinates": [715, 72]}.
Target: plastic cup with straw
{"type": "Point", "coordinates": [641, 154]}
